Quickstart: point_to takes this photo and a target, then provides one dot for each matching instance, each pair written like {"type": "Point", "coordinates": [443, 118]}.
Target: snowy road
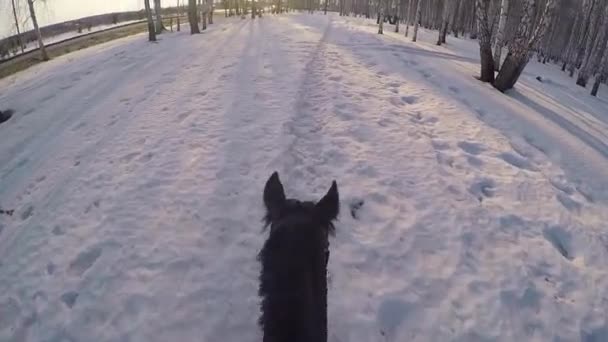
{"type": "Point", "coordinates": [136, 173]}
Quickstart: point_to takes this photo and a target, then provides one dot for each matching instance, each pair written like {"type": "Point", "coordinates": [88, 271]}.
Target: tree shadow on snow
{"type": "Point", "coordinates": [563, 122]}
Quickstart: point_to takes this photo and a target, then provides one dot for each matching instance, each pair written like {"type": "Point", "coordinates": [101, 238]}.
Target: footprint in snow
{"type": "Point", "coordinates": [354, 207]}
{"type": "Point", "coordinates": [483, 188]}
{"type": "Point", "coordinates": [409, 99]}
{"type": "Point", "coordinates": [84, 261]}
{"type": "Point", "coordinates": [471, 147]}
{"type": "Point", "coordinates": [561, 240]}
{"type": "Point", "coordinates": [568, 202]}
{"type": "Point", "coordinates": [69, 298]}
{"type": "Point", "coordinates": [454, 90]}
{"type": "Point", "coordinates": [517, 161]}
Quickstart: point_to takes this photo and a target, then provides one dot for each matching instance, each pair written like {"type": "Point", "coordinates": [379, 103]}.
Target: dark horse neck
{"type": "Point", "coordinates": [294, 292]}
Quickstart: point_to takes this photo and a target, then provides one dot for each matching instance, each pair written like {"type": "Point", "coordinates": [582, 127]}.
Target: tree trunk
{"type": "Point", "coordinates": [445, 21]}
{"type": "Point", "coordinates": [204, 15]}
{"type": "Point", "coordinates": [151, 29]}
{"type": "Point", "coordinates": [523, 43]}
{"type": "Point", "coordinates": [325, 8]}
{"type": "Point", "coordinates": [485, 41]}
{"type": "Point", "coordinates": [398, 15]}
{"type": "Point", "coordinates": [210, 11]}
{"type": "Point", "coordinates": [17, 27]}
{"type": "Point", "coordinates": [159, 17]}
{"type": "Point", "coordinates": [592, 49]}
{"type": "Point", "coordinates": [409, 17]}
{"type": "Point", "coordinates": [43, 54]}
{"type": "Point", "coordinates": [417, 19]}
{"type": "Point", "coordinates": [603, 72]}
{"type": "Point", "coordinates": [579, 49]}
{"type": "Point", "coordinates": [500, 35]}
{"type": "Point", "coordinates": [381, 18]}
{"type": "Point", "coordinates": [193, 17]}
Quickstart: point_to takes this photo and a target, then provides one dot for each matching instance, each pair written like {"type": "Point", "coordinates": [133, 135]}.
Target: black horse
{"type": "Point", "coordinates": [293, 281]}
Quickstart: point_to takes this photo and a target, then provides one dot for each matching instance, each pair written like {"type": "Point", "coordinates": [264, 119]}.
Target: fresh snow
{"type": "Point", "coordinates": [136, 173]}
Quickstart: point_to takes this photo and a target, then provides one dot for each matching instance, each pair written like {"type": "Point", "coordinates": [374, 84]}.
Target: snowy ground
{"type": "Point", "coordinates": [136, 172]}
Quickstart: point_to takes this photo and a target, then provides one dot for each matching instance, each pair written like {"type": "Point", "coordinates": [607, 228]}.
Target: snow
{"type": "Point", "coordinates": [136, 172]}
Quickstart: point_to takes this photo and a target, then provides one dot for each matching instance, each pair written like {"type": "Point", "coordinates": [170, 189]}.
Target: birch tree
{"type": "Point", "coordinates": [43, 54]}
{"type": "Point", "coordinates": [485, 41]}
{"type": "Point", "coordinates": [159, 17]}
{"type": "Point", "coordinates": [602, 74]}
{"type": "Point", "coordinates": [193, 17]}
{"type": "Point", "coordinates": [445, 21]}
{"type": "Point", "coordinates": [592, 40]}
{"type": "Point", "coordinates": [17, 26]}
{"type": "Point", "coordinates": [524, 41]}
{"type": "Point", "coordinates": [399, 2]}
{"type": "Point", "coordinates": [417, 19]}
{"type": "Point", "coordinates": [381, 18]}
{"type": "Point", "coordinates": [151, 29]}
{"type": "Point", "coordinates": [408, 17]}
{"type": "Point", "coordinates": [500, 35]}
{"type": "Point", "coordinates": [578, 50]}
{"type": "Point", "coordinates": [210, 10]}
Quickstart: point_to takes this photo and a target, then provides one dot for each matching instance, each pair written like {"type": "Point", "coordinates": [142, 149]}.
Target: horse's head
{"type": "Point", "coordinates": [282, 212]}
{"type": "Point", "coordinates": [293, 279]}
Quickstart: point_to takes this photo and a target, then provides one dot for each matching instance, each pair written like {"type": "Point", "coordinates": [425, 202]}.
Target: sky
{"type": "Point", "coordinates": [54, 11]}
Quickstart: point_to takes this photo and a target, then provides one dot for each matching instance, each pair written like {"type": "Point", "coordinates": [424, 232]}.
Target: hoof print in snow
{"type": "Point", "coordinates": [409, 99]}
{"type": "Point", "coordinates": [69, 298]}
{"type": "Point", "coordinates": [354, 208]}
{"type": "Point", "coordinates": [561, 240]}
{"type": "Point", "coordinates": [483, 188]}
{"type": "Point", "coordinates": [27, 212]}
{"type": "Point", "coordinates": [568, 202]}
{"type": "Point", "coordinates": [84, 261]}
{"type": "Point", "coordinates": [57, 230]}
{"type": "Point", "coordinates": [5, 115]}
{"type": "Point", "coordinates": [50, 268]}
{"type": "Point", "coordinates": [7, 212]}
{"type": "Point", "coordinates": [517, 161]}
{"type": "Point", "coordinates": [471, 147]}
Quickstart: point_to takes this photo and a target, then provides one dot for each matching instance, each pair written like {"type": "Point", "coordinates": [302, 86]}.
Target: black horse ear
{"type": "Point", "coordinates": [274, 195]}
{"type": "Point", "coordinates": [328, 207]}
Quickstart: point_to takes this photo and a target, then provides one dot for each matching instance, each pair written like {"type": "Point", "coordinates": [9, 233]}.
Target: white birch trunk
{"type": "Point", "coordinates": [591, 47]}
{"type": "Point", "coordinates": [500, 35]}
{"type": "Point", "coordinates": [417, 19]}
{"type": "Point", "coordinates": [43, 54]}
{"type": "Point", "coordinates": [17, 26]}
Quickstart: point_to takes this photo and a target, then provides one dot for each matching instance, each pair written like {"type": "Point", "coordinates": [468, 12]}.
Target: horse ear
{"type": "Point", "coordinates": [274, 195]}
{"type": "Point", "coordinates": [329, 206]}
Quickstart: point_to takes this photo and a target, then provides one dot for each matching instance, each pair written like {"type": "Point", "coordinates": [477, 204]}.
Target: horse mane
{"type": "Point", "coordinates": [289, 308]}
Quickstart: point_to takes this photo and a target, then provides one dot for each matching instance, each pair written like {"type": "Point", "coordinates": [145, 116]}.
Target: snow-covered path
{"type": "Point", "coordinates": [136, 172]}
